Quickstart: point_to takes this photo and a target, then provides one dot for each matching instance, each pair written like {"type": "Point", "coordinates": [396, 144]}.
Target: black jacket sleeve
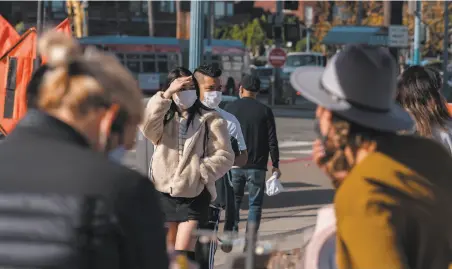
{"type": "Point", "coordinates": [235, 146]}
{"type": "Point", "coordinates": [142, 225]}
{"type": "Point", "coordinates": [272, 138]}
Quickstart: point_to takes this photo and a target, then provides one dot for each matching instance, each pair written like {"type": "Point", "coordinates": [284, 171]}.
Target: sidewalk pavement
{"type": "Point", "coordinates": [288, 218]}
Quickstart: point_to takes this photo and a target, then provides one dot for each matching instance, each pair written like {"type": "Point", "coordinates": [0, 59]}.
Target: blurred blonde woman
{"type": "Point", "coordinates": [66, 200]}
{"type": "Point", "coordinates": [419, 93]}
{"type": "Point", "coordinates": [192, 151]}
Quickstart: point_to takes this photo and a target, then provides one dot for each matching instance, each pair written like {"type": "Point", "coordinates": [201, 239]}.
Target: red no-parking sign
{"type": "Point", "coordinates": [277, 57]}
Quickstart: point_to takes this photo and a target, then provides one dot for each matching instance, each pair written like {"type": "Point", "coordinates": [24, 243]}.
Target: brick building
{"type": "Point", "coordinates": [131, 17]}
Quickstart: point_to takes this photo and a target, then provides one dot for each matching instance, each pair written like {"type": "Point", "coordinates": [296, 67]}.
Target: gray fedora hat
{"type": "Point", "coordinates": [359, 84]}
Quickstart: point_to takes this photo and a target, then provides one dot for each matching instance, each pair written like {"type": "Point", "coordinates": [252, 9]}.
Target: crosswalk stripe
{"type": "Point", "coordinates": [291, 144]}
{"type": "Point", "coordinates": [302, 151]}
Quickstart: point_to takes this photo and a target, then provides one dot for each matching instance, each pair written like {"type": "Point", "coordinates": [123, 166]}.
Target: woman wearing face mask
{"type": "Point", "coordinates": [192, 151]}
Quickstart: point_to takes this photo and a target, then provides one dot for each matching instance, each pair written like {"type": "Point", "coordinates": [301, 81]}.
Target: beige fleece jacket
{"type": "Point", "coordinates": [188, 176]}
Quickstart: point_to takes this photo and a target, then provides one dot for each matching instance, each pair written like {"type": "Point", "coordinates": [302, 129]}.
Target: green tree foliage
{"type": "Point", "coordinates": [301, 45]}
{"type": "Point", "coordinates": [252, 34]}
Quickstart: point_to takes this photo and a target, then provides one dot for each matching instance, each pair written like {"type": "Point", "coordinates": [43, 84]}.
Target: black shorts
{"type": "Point", "coordinates": [179, 209]}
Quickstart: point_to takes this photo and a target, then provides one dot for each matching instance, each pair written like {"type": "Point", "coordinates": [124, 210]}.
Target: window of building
{"type": "Point", "coordinates": [58, 9]}
{"type": "Point", "coordinates": [229, 9]}
{"type": "Point", "coordinates": [167, 6]}
{"type": "Point", "coordinates": [162, 67]}
{"type": "Point", "coordinates": [58, 6]}
{"type": "Point", "coordinates": [138, 7]}
{"type": "Point", "coordinates": [219, 9]}
{"type": "Point", "coordinates": [149, 67]}
{"type": "Point", "coordinates": [133, 66]}
{"type": "Point", "coordinates": [133, 63]}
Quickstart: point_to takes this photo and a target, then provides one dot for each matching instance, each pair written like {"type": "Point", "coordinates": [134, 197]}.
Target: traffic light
{"type": "Point", "coordinates": [292, 32]}
{"type": "Point", "coordinates": [277, 32]}
{"type": "Point", "coordinates": [291, 5]}
{"type": "Point", "coordinates": [184, 6]}
{"type": "Point", "coordinates": [268, 30]}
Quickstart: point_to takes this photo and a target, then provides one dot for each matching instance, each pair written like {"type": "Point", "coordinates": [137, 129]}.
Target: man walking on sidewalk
{"type": "Point", "coordinates": [258, 127]}
{"type": "Point", "coordinates": [208, 79]}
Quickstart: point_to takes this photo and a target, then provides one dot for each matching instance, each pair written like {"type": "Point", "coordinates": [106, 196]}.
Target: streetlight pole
{"type": "Point", "coordinates": [446, 50]}
{"type": "Point", "coordinates": [37, 60]}
{"type": "Point", "coordinates": [417, 33]}
{"type": "Point", "coordinates": [360, 10]}
{"type": "Point", "coordinates": [308, 21]}
{"type": "Point", "coordinates": [196, 34]}
{"type": "Point", "coordinates": [277, 89]}
{"type": "Point", "coordinates": [210, 28]}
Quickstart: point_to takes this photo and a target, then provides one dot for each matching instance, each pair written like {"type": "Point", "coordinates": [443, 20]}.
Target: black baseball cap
{"type": "Point", "coordinates": [251, 83]}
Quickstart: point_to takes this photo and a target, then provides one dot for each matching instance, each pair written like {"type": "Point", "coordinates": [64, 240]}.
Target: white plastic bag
{"type": "Point", "coordinates": [273, 185]}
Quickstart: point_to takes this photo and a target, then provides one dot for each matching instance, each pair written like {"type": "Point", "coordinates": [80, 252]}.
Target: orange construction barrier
{"type": "Point", "coordinates": [8, 35]}
{"type": "Point", "coordinates": [17, 66]}
{"type": "Point", "coordinates": [449, 107]}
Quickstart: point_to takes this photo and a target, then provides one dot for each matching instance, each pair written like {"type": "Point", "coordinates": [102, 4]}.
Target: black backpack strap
{"type": "Point", "coordinates": [206, 138]}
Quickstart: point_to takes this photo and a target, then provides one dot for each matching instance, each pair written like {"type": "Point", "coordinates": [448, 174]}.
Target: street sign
{"type": "Point", "coordinates": [277, 57]}
{"type": "Point", "coordinates": [309, 15]}
{"type": "Point", "coordinates": [398, 36]}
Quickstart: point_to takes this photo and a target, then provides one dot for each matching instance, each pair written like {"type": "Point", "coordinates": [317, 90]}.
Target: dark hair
{"type": "Point", "coordinates": [418, 91]}
{"type": "Point", "coordinates": [347, 134]}
{"type": "Point", "coordinates": [195, 108]}
{"type": "Point", "coordinates": [209, 70]}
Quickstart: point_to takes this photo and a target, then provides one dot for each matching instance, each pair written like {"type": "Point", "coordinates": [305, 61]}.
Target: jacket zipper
{"type": "Point", "coordinates": [189, 147]}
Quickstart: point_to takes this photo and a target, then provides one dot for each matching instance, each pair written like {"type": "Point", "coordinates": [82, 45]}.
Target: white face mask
{"type": "Point", "coordinates": [185, 99]}
{"type": "Point", "coordinates": [212, 99]}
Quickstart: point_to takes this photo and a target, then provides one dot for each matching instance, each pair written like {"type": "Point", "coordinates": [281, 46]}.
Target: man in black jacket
{"type": "Point", "coordinates": [258, 126]}
{"type": "Point", "coordinates": [65, 201]}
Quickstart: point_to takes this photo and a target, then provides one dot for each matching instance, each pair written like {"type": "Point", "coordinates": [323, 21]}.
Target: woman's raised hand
{"type": "Point", "coordinates": [177, 85]}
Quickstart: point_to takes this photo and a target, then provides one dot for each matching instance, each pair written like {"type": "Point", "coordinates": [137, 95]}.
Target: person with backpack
{"type": "Point", "coordinates": [66, 201]}
{"type": "Point", "coordinates": [192, 151]}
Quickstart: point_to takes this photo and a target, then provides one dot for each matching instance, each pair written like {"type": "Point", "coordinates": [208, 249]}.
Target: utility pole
{"type": "Point", "coordinates": [85, 17]}
{"type": "Point", "coordinates": [417, 33]}
{"type": "Point", "coordinates": [277, 89]}
{"type": "Point", "coordinates": [37, 61]}
{"type": "Point", "coordinates": [308, 16]}
{"type": "Point", "coordinates": [196, 34]}
{"type": "Point", "coordinates": [360, 11]}
{"type": "Point", "coordinates": [393, 15]}
{"type": "Point", "coordinates": [446, 50]}
{"type": "Point", "coordinates": [210, 28]}
{"type": "Point", "coordinates": [387, 13]}
{"type": "Point", "coordinates": [150, 18]}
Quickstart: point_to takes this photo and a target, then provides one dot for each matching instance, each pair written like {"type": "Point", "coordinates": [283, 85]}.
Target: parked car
{"type": "Point", "coordinates": [265, 74]}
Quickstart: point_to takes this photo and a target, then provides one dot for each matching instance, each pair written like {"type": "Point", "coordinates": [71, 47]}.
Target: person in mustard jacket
{"type": "Point", "coordinates": [393, 191]}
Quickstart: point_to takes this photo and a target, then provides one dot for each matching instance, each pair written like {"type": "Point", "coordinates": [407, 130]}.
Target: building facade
{"type": "Point", "coordinates": [169, 18]}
